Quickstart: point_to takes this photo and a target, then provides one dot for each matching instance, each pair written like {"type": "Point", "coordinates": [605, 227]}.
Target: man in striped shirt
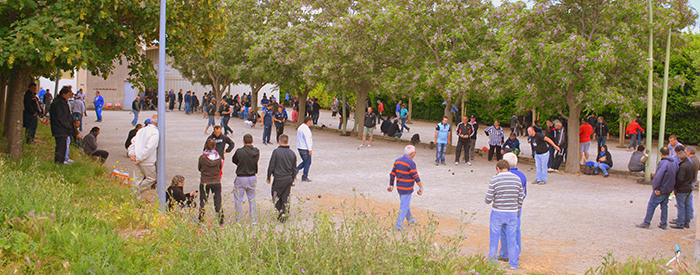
{"type": "Point", "coordinates": [506, 197]}
{"type": "Point", "coordinates": [496, 139]}
{"type": "Point", "coordinates": [405, 173]}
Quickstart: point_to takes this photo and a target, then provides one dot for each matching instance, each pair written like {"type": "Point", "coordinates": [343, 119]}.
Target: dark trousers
{"type": "Point", "coordinates": [497, 150]}
{"type": "Point", "coordinates": [102, 154]}
{"type": "Point", "coordinates": [224, 124]}
{"type": "Point", "coordinates": [463, 144]}
{"type": "Point", "coordinates": [179, 105]}
{"type": "Point", "coordinates": [171, 105]}
{"type": "Point", "coordinates": [30, 123]}
{"type": "Point", "coordinates": [280, 131]}
{"type": "Point", "coordinates": [267, 132]}
{"type": "Point", "coordinates": [281, 187]}
{"type": "Point", "coordinates": [60, 151]}
{"type": "Point", "coordinates": [550, 161]}
{"type": "Point", "coordinates": [204, 190]}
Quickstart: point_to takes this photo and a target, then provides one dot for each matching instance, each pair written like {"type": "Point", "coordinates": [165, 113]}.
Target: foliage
{"type": "Point", "coordinates": [52, 215]}
{"type": "Point", "coordinates": [641, 266]}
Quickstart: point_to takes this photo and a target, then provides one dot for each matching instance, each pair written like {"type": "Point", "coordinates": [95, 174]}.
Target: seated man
{"type": "Point", "coordinates": [638, 160]}
{"type": "Point", "coordinates": [89, 145]}
{"type": "Point", "coordinates": [385, 125]}
{"type": "Point", "coordinates": [512, 143]}
{"type": "Point", "coordinates": [252, 119]}
{"type": "Point", "coordinates": [394, 129]}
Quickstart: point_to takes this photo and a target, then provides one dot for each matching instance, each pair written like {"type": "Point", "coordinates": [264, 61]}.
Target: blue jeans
{"type": "Point", "coordinates": [654, 201]}
{"type": "Point", "coordinates": [541, 166]}
{"type": "Point", "coordinates": [305, 163]}
{"type": "Point", "coordinates": [403, 124]}
{"type": "Point", "coordinates": [440, 152]}
{"type": "Point", "coordinates": [602, 166]}
{"type": "Point", "coordinates": [98, 112]}
{"type": "Point", "coordinates": [639, 137]}
{"type": "Point", "coordinates": [504, 221]}
{"type": "Point", "coordinates": [404, 210]}
{"type": "Point", "coordinates": [136, 118]}
{"type": "Point", "coordinates": [67, 148]}
{"type": "Point", "coordinates": [267, 131]}
{"type": "Point", "coordinates": [601, 141]}
{"type": "Point", "coordinates": [504, 239]}
{"type": "Point", "coordinates": [224, 124]}
{"type": "Point", "coordinates": [187, 108]}
{"type": "Point", "coordinates": [314, 117]}
{"type": "Point", "coordinates": [684, 206]}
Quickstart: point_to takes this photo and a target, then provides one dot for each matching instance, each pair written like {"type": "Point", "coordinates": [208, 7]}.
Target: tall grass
{"type": "Point", "coordinates": [73, 219]}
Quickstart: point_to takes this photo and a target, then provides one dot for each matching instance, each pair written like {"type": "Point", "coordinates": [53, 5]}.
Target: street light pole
{"type": "Point", "coordinates": [161, 109]}
{"type": "Point", "coordinates": [664, 100]}
{"type": "Point", "coordinates": [650, 93]}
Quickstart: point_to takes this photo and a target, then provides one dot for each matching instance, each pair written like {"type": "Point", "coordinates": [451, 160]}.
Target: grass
{"type": "Point", "coordinates": [73, 219]}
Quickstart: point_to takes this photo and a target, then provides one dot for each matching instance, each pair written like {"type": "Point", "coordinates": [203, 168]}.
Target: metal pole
{"type": "Point", "coordinates": [650, 93]}
{"type": "Point", "coordinates": [161, 109]}
{"type": "Point", "coordinates": [664, 99]}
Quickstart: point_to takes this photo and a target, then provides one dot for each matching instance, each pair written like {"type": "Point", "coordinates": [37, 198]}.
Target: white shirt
{"type": "Point", "coordinates": [145, 144]}
{"type": "Point", "coordinates": [304, 138]}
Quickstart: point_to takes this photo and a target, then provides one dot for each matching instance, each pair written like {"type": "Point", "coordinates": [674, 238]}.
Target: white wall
{"type": "Point", "coordinates": [45, 83]}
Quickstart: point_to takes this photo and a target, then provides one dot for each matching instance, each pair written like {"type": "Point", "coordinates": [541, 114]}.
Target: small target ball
{"type": "Point", "coordinates": [319, 196]}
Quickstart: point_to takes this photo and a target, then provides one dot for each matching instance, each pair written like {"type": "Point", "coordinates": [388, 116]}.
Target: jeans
{"type": "Point", "coordinates": [305, 163]}
{"type": "Point", "coordinates": [602, 166]}
{"type": "Point", "coordinates": [404, 210]}
{"type": "Point", "coordinates": [654, 201]}
{"type": "Point", "coordinates": [601, 141]}
{"type": "Point", "coordinates": [639, 137]}
{"type": "Point", "coordinates": [504, 239]}
{"type": "Point", "coordinates": [403, 124]}
{"type": "Point", "coordinates": [684, 206]}
{"type": "Point", "coordinates": [267, 132]}
{"type": "Point", "coordinates": [187, 108]}
{"type": "Point", "coordinates": [245, 186]}
{"type": "Point", "coordinates": [79, 117]}
{"type": "Point", "coordinates": [136, 118]}
{"type": "Point", "coordinates": [98, 112]}
{"type": "Point", "coordinates": [224, 124]}
{"type": "Point", "coordinates": [314, 116]}
{"type": "Point", "coordinates": [397, 135]}
{"type": "Point", "coordinates": [463, 144]}
{"type": "Point", "coordinates": [440, 152]}
{"type": "Point", "coordinates": [67, 149]}
{"type": "Point", "coordinates": [541, 166]}
{"type": "Point", "coordinates": [499, 221]}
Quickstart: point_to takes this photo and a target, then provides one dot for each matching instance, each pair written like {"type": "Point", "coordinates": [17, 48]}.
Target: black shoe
{"type": "Point", "coordinates": [641, 225]}
{"type": "Point", "coordinates": [687, 226]}
{"type": "Point", "coordinates": [675, 226]}
{"type": "Point", "coordinates": [674, 221]}
{"type": "Point", "coordinates": [503, 259]}
{"type": "Point", "coordinates": [307, 180]}
{"type": "Point", "coordinates": [606, 176]}
{"type": "Point", "coordinates": [662, 227]}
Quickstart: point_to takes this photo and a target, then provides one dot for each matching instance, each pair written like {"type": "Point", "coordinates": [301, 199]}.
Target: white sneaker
{"type": "Point", "coordinates": [469, 163]}
{"type": "Point", "coordinates": [550, 170]}
{"type": "Point", "coordinates": [457, 163]}
{"type": "Point", "coordinates": [361, 145]}
{"type": "Point", "coordinates": [369, 145]}
{"type": "Point", "coordinates": [556, 171]}
{"type": "Point", "coordinates": [69, 161]}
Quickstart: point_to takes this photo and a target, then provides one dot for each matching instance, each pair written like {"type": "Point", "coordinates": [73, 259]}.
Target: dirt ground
{"type": "Point", "coordinates": [568, 225]}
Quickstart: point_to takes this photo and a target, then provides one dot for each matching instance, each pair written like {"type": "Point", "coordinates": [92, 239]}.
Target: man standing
{"type": "Point", "coordinates": [560, 140]}
{"type": "Point", "coordinates": [316, 111]}
{"type": "Point", "coordinates": [464, 131]}
{"type": "Point", "coordinates": [584, 137]}
{"type": "Point", "coordinates": [506, 197]}
{"type": "Point", "coordinates": [225, 113]}
{"type": "Point", "coordinates": [664, 182]}
{"type": "Point", "coordinates": [31, 112]}
{"type": "Point", "coordinates": [305, 144]}
{"type": "Point", "coordinates": [398, 110]}
{"type": "Point", "coordinates": [171, 104]}
{"type": "Point", "coordinates": [513, 123]}
{"type": "Point", "coordinates": [179, 100]}
{"type": "Point", "coordinates": [188, 99]}
{"type": "Point", "coordinates": [672, 144]}
{"type": "Point", "coordinates": [135, 109]}
{"type": "Point", "coordinates": [221, 142]}
{"type": "Point", "coordinates": [496, 139]}
{"type": "Point", "coordinates": [370, 125]}
{"type": "Point", "coordinates": [211, 115]}
{"type": "Point", "coordinates": [246, 159]}
{"type": "Point", "coordinates": [142, 152]}
{"type": "Point", "coordinates": [89, 145]}
{"type": "Point", "coordinates": [77, 107]}
{"type": "Point", "coordinates": [280, 117]}
{"type": "Point", "coordinates": [405, 174]}
{"type": "Point", "coordinates": [512, 160]}
{"type": "Point", "coordinates": [99, 102]}
{"type": "Point", "coordinates": [601, 132]}
{"type": "Point", "coordinates": [442, 140]}
{"type": "Point", "coordinates": [62, 124]}
{"type": "Point", "coordinates": [267, 125]}
{"type": "Point", "coordinates": [475, 127]}
{"type": "Point", "coordinates": [380, 109]}
{"type": "Point", "coordinates": [684, 186]}
{"type": "Point", "coordinates": [282, 163]}
{"type": "Point", "coordinates": [539, 142]}
{"type": "Point", "coordinates": [48, 97]}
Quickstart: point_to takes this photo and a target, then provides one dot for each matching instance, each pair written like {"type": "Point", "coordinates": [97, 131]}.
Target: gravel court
{"type": "Point", "coordinates": [568, 224]}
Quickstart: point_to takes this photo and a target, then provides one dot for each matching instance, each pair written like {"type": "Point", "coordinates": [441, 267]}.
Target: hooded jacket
{"type": "Point", "coordinates": [145, 144]}
{"type": "Point", "coordinates": [665, 177]}
{"type": "Point", "coordinates": [246, 158]}
{"type": "Point", "coordinates": [209, 169]}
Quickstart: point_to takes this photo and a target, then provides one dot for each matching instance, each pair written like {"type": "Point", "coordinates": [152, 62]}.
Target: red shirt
{"type": "Point", "coordinates": [633, 127]}
{"type": "Point", "coordinates": [381, 107]}
{"type": "Point", "coordinates": [584, 133]}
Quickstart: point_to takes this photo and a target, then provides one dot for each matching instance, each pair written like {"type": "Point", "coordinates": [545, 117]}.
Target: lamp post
{"type": "Point", "coordinates": [161, 110]}
{"type": "Point", "coordinates": [650, 93]}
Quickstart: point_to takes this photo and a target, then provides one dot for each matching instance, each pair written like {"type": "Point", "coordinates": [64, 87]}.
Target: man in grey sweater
{"type": "Point", "coordinates": [89, 145]}
{"type": "Point", "coordinates": [506, 197]}
{"type": "Point", "coordinates": [283, 163]}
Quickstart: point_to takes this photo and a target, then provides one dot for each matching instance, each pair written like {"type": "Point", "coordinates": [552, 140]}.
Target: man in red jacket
{"type": "Point", "coordinates": [632, 131]}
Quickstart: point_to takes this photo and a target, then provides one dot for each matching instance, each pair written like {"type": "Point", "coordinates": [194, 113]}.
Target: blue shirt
{"type": "Point", "coordinates": [512, 144]}
{"type": "Point", "coordinates": [398, 108]}
{"type": "Point", "coordinates": [404, 113]}
{"type": "Point", "coordinates": [99, 101]}
{"type": "Point", "coordinates": [267, 121]}
{"type": "Point", "coordinates": [522, 177]}
{"type": "Point", "coordinates": [443, 131]}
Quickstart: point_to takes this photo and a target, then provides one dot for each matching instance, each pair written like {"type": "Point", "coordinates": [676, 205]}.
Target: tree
{"type": "Point", "coordinates": [575, 54]}
{"type": "Point", "coordinates": [39, 37]}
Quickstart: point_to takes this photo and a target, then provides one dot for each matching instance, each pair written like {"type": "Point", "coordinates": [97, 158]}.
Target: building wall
{"type": "Point", "coordinates": [111, 89]}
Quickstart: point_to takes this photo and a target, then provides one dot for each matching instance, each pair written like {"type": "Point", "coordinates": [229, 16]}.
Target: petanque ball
{"type": "Point", "coordinates": [308, 198]}
{"type": "Point", "coordinates": [472, 171]}
{"type": "Point", "coordinates": [453, 173]}
{"type": "Point", "coordinates": [630, 201]}
{"type": "Point", "coordinates": [319, 196]}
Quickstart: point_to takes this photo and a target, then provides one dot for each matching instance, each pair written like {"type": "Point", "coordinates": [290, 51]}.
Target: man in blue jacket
{"type": "Point", "coordinates": [664, 182]}
{"type": "Point", "coordinates": [99, 102]}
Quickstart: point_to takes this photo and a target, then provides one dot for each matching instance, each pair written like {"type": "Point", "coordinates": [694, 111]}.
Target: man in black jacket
{"type": "Point", "coordinates": [31, 112]}
{"type": "Point", "coordinates": [246, 158]}
{"type": "Point", "coordinates": [283, 163]}
{"type": "Point", "coordinates": [684, 186]}
{"type": "Point", "coordinates": [62, 123]}
{"type": "Point", "coordinates": [475, 127]}
{"type": "Point", "coordinates": [601, 132]}
{"type": "Point", "coordinates": [221, 141]}
{"type": "Point", "coordinates": [663, 185]}
{"type": "Point", "coordinates": [464, 132]}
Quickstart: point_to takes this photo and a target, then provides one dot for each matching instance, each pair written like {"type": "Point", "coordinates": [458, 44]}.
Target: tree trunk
{"type": "Point", "coordinates": [255, 87]}
{"type": "Point", "coordinates": [573, 155]}
{"type": "Point", "coordinates": [17, 86]}
{"type": "Point", "coordinates": [3, 94]}
{"type": "Point", "coordinates": [302, 96]}
{"type": "Point", "coordinates": [361, 94]}
{"type": "Point", "coordinates": [448, 114]}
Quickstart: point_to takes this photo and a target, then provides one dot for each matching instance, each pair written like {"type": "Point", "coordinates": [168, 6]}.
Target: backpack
{"type": "Point", "coordinates": [415, 138]}
{"type": "Point", "coordinates": [588, 170]}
